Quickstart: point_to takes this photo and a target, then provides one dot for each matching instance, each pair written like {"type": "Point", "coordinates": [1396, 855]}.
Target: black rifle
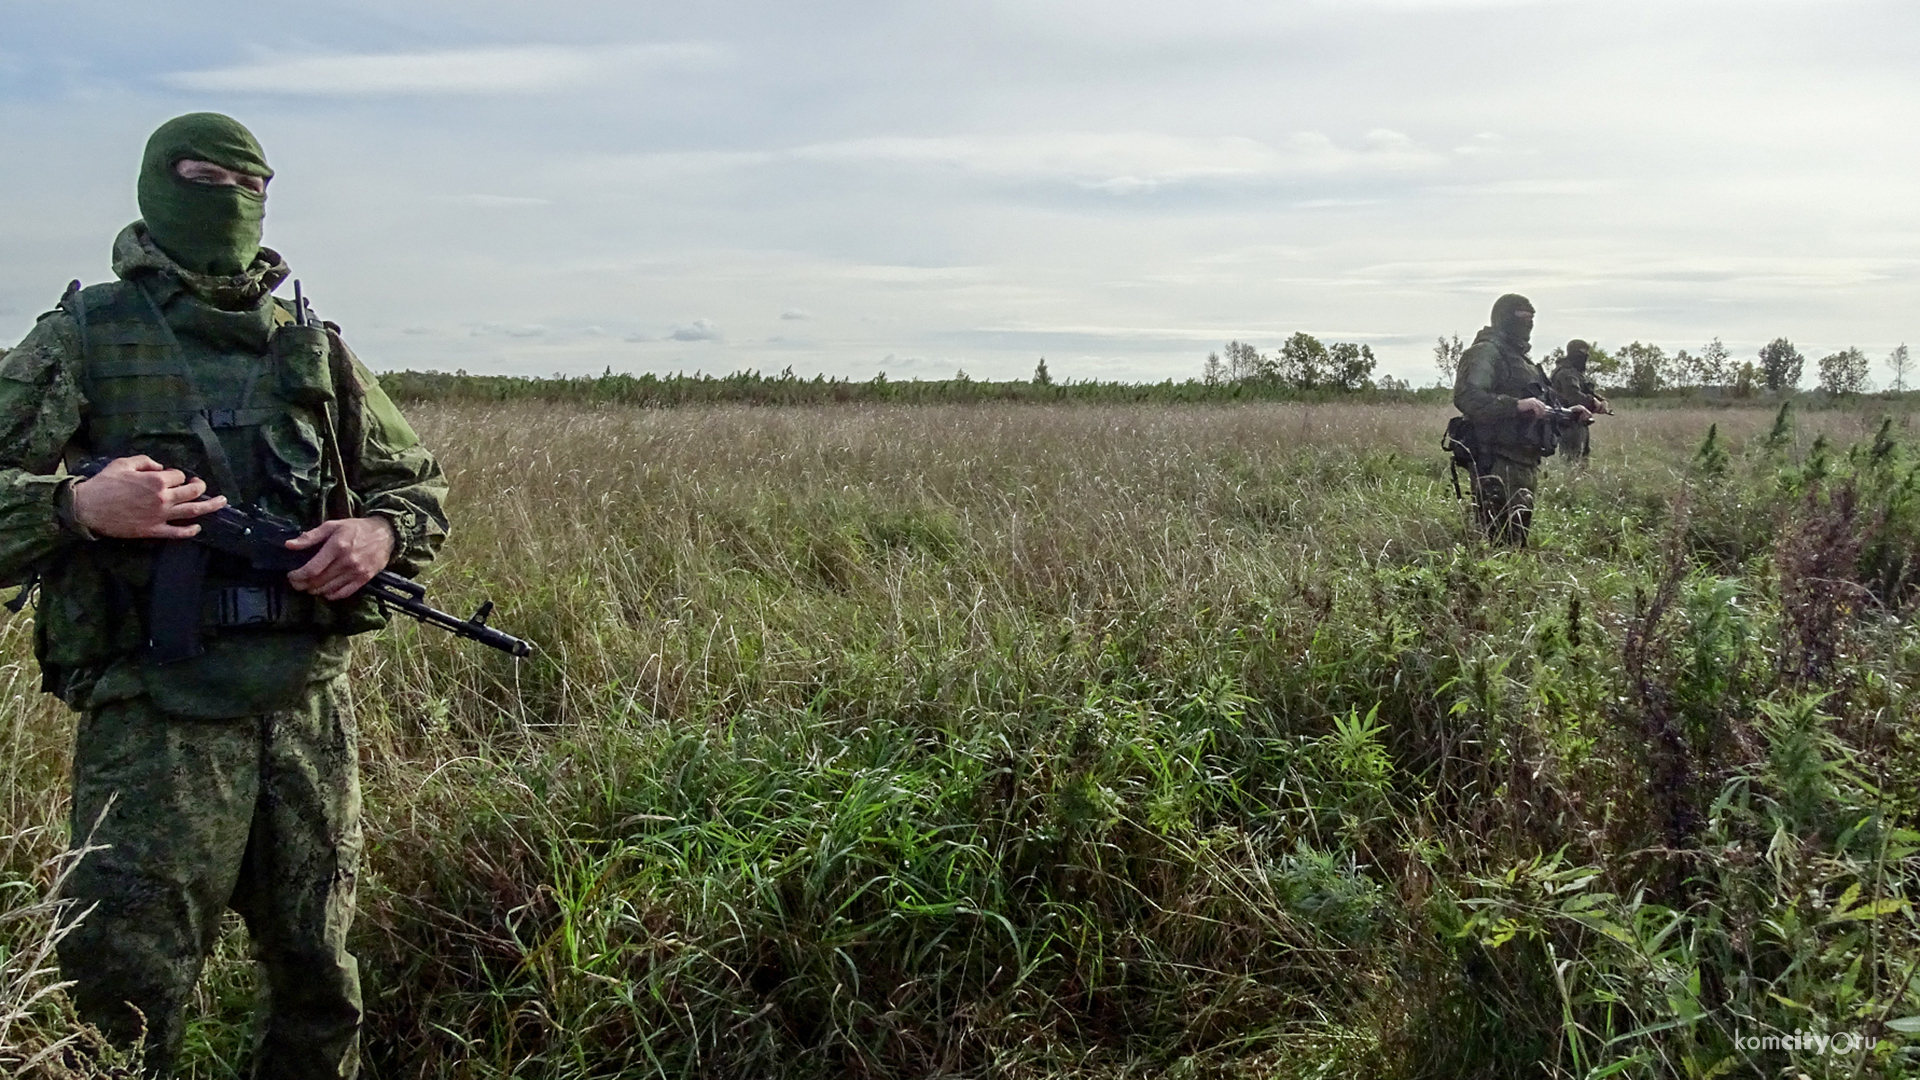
{"type": "Point", "coordinates": [260, 539]}
{"type": "Point", "coordinates": [1552, 424]}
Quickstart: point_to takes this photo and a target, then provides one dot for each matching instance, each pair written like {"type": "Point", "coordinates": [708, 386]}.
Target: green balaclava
{"type": "Point", "coordinates": [1577, 353]}
{"type": "Point", "coordinates": [1517, 332]}
{"type": "Point", "coordinates": [206, 228]}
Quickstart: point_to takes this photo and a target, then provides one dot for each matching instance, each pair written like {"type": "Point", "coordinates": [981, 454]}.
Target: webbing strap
{"type": "Point", "coordinates": [225, 480]}
{"type": "Point", "coordinates": [75, 294]}
{"type": "Point", "coordinates": [137, 369]}
{"type": "Point", "coordinates": [218, 419]}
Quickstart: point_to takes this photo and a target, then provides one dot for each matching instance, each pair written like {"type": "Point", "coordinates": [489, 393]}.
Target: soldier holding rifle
{"type": "Point", "coordinates": [1512, 418]}
{"type": "Point", "coordinates": [215, 760]}
{"type": "Point", "coordinates": [1576, 387]}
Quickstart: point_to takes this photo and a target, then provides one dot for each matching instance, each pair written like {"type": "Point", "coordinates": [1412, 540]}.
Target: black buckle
{"type": "Point", "coordinates": [251, 605]}
{"type": "Point", "coordinates": [223, 418]}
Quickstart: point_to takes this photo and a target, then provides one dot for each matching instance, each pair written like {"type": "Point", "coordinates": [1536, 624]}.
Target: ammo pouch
{"type": "Point", "coordinates": [195, 593]}
{"type": "Point", "coordinates": [301, 356]}
{"type": "Point", "coordinates": [1462, 446]}
{"type": "Point", "coordinates": [1460, 442]}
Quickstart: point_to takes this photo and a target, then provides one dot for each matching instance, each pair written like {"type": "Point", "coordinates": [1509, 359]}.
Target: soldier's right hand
{"type": "Point", "coordinates": [137, 498]}
{"type": "Point", "coordinates": [1532, 406]}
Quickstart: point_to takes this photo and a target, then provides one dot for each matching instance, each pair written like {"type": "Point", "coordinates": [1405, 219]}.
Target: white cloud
{"type": "Point", "coordinates": [516, 69]}
{"type": "Point", "coordinates": [1128, 162]}
{"type": "Point", "coordinates": [500, 201]}
{"type": "Point", "coordinates": [795, 314]}
{"type": "Point", "coordinates": [701, 330]}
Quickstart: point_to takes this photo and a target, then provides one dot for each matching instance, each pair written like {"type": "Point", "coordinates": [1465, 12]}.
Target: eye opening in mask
{"type": "Point", "coordinates": [195, 171]}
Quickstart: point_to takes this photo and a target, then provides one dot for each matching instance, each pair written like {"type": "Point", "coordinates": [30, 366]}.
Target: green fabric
{"type": "Point", "coordinates": [261, 814]}
{"type": "Point", "coordinates": [136, 255]}
{"type": "Point", "coordinates": [1574, 386]}
{"type": "Point", "coordinates": [1576, 443]}
{"type": "Point", "coordinates": [92, 591]}
{"type": "Point", "coordinates": [1503, 499]}
{"type": "Point", "coordinates": [1517, 333]}
{"type": "Point", "coordinates": [1492, 379]}
{"type": "Point", "coordinates": [207, 228]}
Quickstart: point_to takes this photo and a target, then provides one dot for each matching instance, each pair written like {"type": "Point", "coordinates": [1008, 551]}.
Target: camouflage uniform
{"type": "Point", "coordinates": [1575, 387]}
{"type": "Point", "coordinates": [228, 779]}
{"type": "Point", "coordinates": [1494, 375]}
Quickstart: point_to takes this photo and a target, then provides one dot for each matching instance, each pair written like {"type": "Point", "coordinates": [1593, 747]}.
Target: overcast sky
{"type": "Point", "coordinates": [1118, 186]}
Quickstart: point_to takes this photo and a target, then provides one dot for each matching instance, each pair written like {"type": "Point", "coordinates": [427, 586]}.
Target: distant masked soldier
{"type": "Point", "coordinates": [1575, 387]}
{"type": "Point", "coordinates": [1506, 399]}
{"type": "Point", "coordinates": [214, 762]}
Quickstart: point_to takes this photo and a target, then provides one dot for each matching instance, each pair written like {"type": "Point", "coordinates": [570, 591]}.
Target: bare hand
{"type": "Point", "coordinates": [1600, 406]}
{"type": "Point", "coordinates": [1533, 407]}
{"type": "Point", "coordinates": [352, 550]}
{"type": "Point", "coordinates": [1582, 414]}
{"type": "Point", "coordinates": [137, 498]}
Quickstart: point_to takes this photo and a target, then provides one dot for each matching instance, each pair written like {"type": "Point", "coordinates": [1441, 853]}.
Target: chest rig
{"type": "Point", "coordinates": [1515, 376]}
{"type": "Point", "coordinates": [244, 400]}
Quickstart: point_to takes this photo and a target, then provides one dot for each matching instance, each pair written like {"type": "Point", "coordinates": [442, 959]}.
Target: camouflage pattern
{"type": "Point", "coordinates": [1575, 387]}
{"type": "Point", "coordinates": [89, 643]}
{"type": "Point", "coordinates": [1503, 499]}
{"type": "Point", "coordinates": [260, 814]}
{"type": "Point", "coordinates": [1576, 443]}
{"type": "Point", "coordinates": [1495, 374]}
{"type": "Point", "coordinates": [232, 775]}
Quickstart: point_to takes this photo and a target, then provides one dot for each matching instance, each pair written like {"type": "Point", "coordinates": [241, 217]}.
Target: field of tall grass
{"type": "Point", "coordinates": [1031, 740]}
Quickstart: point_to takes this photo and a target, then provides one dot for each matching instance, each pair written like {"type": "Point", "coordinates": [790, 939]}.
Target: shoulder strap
{"type": "Point", "coordinates": [74, 303]}
{"type": "Point", "coordinates": [224, 478]}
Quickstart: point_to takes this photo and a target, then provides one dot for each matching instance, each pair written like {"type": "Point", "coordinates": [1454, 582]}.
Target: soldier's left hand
{"type": "Point", "coordinates": [352, 550]}
{"type": "Point", "coordinates": [1582, 414]}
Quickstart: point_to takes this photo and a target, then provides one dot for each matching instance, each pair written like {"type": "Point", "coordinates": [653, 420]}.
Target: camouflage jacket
{"type": "Point", "coordinates": [1492, 380]}
{"type": "Point", "coordinates": [1576, 387]}
{"type": "Point", "coordinates": [86, 618]}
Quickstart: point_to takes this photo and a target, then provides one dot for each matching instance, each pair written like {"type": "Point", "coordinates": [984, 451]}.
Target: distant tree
{"type": "Point", "coordinates": [1214, 373]}
{"type": "Point", "coordinates": [1844, 372]}
{"type": "Point", "coordinates": [1303, 362]}
{"type": "Point", "coordinates": [1040, 376]}
{"type": "Point", "coordinates": [1602, 364]}
{"type": "Point", "coordinates": [1901, 365]}
{"type": "Point", "coordinates": [1685, 370]}
{"type": "Point", "coordinates": [1446, 357]}
{"type": "Point", "coordinates": [1389, 382]}
{"type": "Point", "coordinates": [1245, 364]}
{"type": "Point", "coordinates": [1746, 379]}
{"type": "Point", "coordinates": [1645, 367]}
{"type": "Point", "coordinates": [1716, 366]}
{"type": "Point", "coordinates": [1780, 364]}
{"type": "Point", "coordinates": [1349, 366]}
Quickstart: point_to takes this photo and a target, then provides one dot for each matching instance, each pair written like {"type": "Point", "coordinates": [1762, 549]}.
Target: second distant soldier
{"type": "Point", "coordinates": [1575, 387]}
{"type": "Point", "coordinates": [1506, 398]}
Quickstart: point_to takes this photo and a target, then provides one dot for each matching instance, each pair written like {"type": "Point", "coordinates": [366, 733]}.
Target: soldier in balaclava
{"type": "Point", "coordinates": [1507, 399]}
{"type": "Point", "coordinates": [213, 768]}
{"type": "Point", "coordinates": [1575, 387]}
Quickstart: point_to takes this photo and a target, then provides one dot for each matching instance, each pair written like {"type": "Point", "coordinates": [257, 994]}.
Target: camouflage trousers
{"type": "Point", "coordinates": [1503, 497]}
{"type": "Point", "coordinates": [260, 814]}
{"type": "Point", "coordinates": [1575, 443]}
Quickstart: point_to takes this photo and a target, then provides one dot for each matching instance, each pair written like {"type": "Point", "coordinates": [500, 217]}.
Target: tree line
{"type": "Point", "coordinates": [1302, 363]}
{"type": "Point", "coordinates": [1640, 369]}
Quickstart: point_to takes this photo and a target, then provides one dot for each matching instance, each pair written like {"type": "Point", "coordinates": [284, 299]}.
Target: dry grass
{"type": "Point", "coordinates": [1034, 740]}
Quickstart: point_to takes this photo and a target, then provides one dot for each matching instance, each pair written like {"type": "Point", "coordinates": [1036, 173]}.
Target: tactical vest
{"type": "Point", "coordinates": [1517, 377]}
{"type": "Point", "coordinates": [258, 425]}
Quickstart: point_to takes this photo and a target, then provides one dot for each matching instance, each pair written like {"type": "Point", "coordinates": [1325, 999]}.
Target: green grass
{"type": "Point", "coordinates": [1016, 739]}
